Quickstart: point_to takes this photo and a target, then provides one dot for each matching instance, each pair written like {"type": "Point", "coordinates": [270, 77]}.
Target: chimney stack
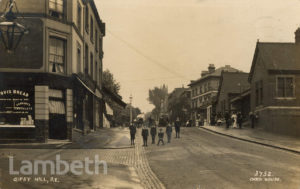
{"type": "Point", "coordinates": [297, 36]}
{"type": "Point", "coordinates": [211, 68]}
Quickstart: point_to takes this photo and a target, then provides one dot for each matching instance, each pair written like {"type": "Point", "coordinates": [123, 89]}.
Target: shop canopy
{"type": "Point", "coordinates": [109, 110]}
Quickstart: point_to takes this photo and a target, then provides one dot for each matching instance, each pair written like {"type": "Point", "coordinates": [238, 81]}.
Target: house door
{"type": "Point", "coordinates": [57, 120]}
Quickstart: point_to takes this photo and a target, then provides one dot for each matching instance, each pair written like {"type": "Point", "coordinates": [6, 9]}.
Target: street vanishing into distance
{"type": "Point", "coordinates": [198, 159]}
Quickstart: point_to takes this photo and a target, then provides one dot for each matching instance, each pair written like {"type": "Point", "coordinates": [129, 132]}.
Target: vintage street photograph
{"type": "Point", "coordinates": [149, 94]}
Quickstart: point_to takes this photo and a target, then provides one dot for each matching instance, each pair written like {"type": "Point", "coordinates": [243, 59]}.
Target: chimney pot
{"type": "Point", "coordinates": [211, 68]}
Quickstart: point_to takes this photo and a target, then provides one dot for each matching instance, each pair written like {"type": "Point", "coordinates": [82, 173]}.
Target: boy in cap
{"type": "Point", "coordinates": [160, 136]}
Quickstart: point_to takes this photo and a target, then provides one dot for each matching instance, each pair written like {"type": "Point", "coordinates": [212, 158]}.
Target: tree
{"type": "Point", "coordinates": [156, 97]}
{"type": "Point", "coordinates": [110, 83]}
{"type": "Point", "coordinates": [178, 105]}
{"type": "Point", "coordinates": [121, 115]}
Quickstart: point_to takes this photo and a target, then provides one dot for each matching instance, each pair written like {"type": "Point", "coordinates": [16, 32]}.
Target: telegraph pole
{"type": "Point", "coordinates": [130, 98]}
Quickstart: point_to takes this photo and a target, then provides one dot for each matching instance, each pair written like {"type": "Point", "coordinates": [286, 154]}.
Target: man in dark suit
{"type": "Point", "coordinates": [153, 133]}
{"type": "Point", "coordinates": [132, 133]}
{"type": "Point", "coordinates": [145, 134]}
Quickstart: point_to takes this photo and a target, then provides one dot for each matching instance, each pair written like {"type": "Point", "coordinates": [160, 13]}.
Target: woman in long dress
{"type": "Point", "coordinates": [234, 118]}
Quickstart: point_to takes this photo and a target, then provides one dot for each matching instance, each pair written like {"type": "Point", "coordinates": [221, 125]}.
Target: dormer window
{"type": "Point", "coordinates": [56, 8]}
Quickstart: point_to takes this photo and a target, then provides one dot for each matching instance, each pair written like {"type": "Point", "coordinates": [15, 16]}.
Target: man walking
{"type": "Point", "coordinates": [153, 133]}
{"type": "Point", "coordinates": [239, 119]}
{"type": "Point", "coordinates": [177, 127]}
{"type": "Point", "coordinates": [160, 137]}
{"type": "Point", "coordinates": [145, 134]}
{"type": "Point", "coordinates": [227, 119]}
{"type": "Point", "coordinates": [169, 132]}
{"type": "Point", "coordinates": [132, 133]}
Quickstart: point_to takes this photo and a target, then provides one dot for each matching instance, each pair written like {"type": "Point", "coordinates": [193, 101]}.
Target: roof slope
{"type": "Point", "coordinates": [233, 82]}
{"type": "Point", "coordinates": [216, 73]}
{"type": "Point", "coordinates": [277, 56]}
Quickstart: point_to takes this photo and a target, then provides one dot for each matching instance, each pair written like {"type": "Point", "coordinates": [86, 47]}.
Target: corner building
{"type": "Point", "coordinates": [51, 85]}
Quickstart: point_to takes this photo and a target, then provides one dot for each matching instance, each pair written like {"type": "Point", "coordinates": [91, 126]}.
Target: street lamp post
{"type": "Point", "coordinates": [130, 98]}
{"type": "Point", "coordinates": [11, 32]}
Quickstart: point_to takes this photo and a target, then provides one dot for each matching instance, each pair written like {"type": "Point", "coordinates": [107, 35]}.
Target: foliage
{"type": "Point", "coordinates": [178, 105]}
{"type": "Point", "coordinates": [156, 97]}
{"type": "Point", "coordinates": [121, 115]}
{"type": "Point", "coordinates": [110, 83]}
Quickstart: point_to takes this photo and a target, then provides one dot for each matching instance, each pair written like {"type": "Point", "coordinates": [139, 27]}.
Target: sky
{"type": "Point", "coordinates": [149, 43]}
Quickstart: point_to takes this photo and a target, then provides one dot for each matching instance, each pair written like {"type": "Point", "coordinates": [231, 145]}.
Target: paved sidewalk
{"type": "Point", "coordinates": [258, 135]}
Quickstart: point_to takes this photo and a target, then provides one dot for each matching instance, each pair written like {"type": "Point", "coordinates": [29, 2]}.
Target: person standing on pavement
{"type": "Point", "coordinates": [227, 119]}
{"type": "Point", "coordinates": [239, 119]}
{"type": "Point", "coordinates": [145, 134]}
{"type": "Point", "coordinates": [177, 127]}
{"type": "Point", "coordinates": [160, 137]}
{"type": "Point", "coordinates": [234, 120]}
{"type": "Point", "coordinates": [153, 133]}
{"type": "Point", "coordinates": [169, 132]}
{"type": "Point", "coordinates": [132, 129]}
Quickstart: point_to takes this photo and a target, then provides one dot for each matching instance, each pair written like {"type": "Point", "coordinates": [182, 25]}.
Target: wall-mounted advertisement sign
{"type": "Point", "coordinates": [16, 107]}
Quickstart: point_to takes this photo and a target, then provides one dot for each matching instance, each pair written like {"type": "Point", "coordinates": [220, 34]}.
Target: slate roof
{"type": "Point", "coordinates": [231, 81]}
{"type": "Point", "coordinates": [277, 56]}
{"type": "Point", "coordinates": [216, 73]}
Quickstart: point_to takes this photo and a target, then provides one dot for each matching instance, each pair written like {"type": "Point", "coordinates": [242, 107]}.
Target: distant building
{"type": "Point", "coordinates": [275, 86]}
{"type": "Point", "coordinates": [204, 93]}
{"type": "Point", "coordinates": [232, 84]}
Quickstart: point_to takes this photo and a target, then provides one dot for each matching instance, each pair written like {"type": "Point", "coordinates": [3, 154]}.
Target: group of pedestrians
{"type": "Point", "coordinates": [236, 120]}
{"type": "Point", "coordinates": [154, 133]}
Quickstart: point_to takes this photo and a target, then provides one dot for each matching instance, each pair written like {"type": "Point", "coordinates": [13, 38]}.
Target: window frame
{"type": "Point", "coordinates": [79, 58]}
{"type": "Point", "coordinates": [64, 57]}
{"type": "Point", "coordinates": [87, 16]}
{"type": "Point", "coordinates": [60, 15]}
{"type": "Point", "coordinates": [86, 59]}
{"type": "Point", "coordinates": [92, 25]}
{"type": "Point", "coordinates": [79, 16]}
{"type": "Point", "coordinates": [294, 87]}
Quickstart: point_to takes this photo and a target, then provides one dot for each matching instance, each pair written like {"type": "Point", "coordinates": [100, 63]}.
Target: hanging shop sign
{"type": "Point", "coordinates": [16, 107]}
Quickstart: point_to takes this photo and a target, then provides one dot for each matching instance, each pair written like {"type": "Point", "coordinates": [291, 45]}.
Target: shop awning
{"type": "Point", "coordinates": [109, 110]}
{"type": "Point", "coordinates": [114, 97]}
{"type": "Point", "coordinates": [96, 94]}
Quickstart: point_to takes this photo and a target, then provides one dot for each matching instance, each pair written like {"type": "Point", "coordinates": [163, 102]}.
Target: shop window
{"type": "Point", "coordinates": [285, 87]}
{"type": "Point", "coordinates": [56, 8]}
{"type": "Point", "coordinates": [57, 55]}
{"type": "Point", "coordinates": [16, 106]}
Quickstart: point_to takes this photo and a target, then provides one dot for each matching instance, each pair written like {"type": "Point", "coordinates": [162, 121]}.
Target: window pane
{"type": "Point", "coordinates": [52, 4]}
{"type": "Point", "coordinates": [280, 87]}
{"type": "Point", "coordinates": [289, 87]}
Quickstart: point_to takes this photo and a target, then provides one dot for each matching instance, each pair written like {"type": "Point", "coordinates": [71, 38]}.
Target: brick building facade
{"type": "Point", "coordinates": [275, 84]}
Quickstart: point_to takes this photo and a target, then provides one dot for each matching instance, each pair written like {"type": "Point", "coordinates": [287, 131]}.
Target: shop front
{"type": "Point", "coordinates": [35, 107]}
{"type": "Point", "coordinates": [17, 112]}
